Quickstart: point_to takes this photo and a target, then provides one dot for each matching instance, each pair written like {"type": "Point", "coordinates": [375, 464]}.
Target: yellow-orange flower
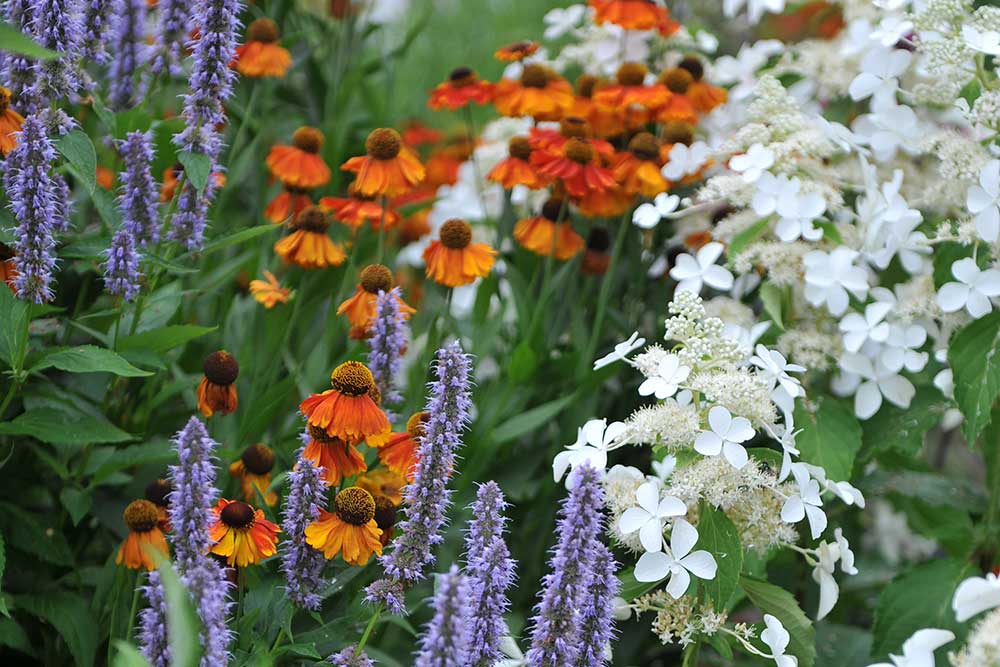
{"type": "Point", "coordinates": [549, 233]}
{"type": "Point", "coordinates": [338, 459]}
{"type": "Point", "coordinates": [703, 95]}
{"type": "Point", "coordinates": [253, 470]}
{"type": "Point", "coordinates": [604, 122]}
{"type": "Point", "coordinates": [383, 482]}
{"type": "Point", "coordinates": [416, 133]}
{"type": "Point", "coordinates": [577, 164]}
{"type": "Point", "coordinates": [309, 246]}
{"type": "Point", "coordinates": [630, 90]}
{"type": "Point", "coordinates": [360, 307]}
{"type": "Point", "coordinates": [300, 165]}
{"type": "Point", "coordinates": [10, 122]}
{"type": "Point", "coordinates": [287, 204]}
{"type": "Point", "coordinates": [540, 93]}
{"type": "Point", "coordinates": [241, 534]}
{"type": "Point", "coordinates": [349, 530]}
{"type": "Point", "coordinates": [516, 169]}
{"type": "Point", "coordinates": [638, 169]}
{"type": "Point", "coordinates": [262, 55]}
{"type": "Point", "coordinates": [399, 454]}
{"type": "Point", "coordinates": [461, 88]}
{"type": "Point", "coordinates": [269, 292]}
{"type": "Point", "coordinates": [388, 169]}
{"type": "Point", "coordinates": [217, 389]}
{"type": "Point", "coordinates": [355, 210]}
{"type": "Point", "coordinates": [455, 260]}
{"type": "Point", "coordinates": [144, 537]}
{"type": "Point", "coordinates": [678, 108]}
{"type": "Point", "coordinates": [634, 15]}
{"type": "Point", "coordinates": [515, 52]}
{"type": "Point", "coordinates": [348, 411]}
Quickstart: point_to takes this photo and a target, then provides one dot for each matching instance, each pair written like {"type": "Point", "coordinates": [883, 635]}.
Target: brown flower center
{"type": "Point", "coordinates": [456, 234]}
{"type": "Point", "coordinates": [585, 84]}
{"type": "Point", "coordinates": [677, 80]}
{"type": "Point", "coordinates": [520, 148]}
{"type": "Point", "coordinates": [352, 378]}
{"type": "Point", "coordinates": [678, 132]}
{"type": "Point", "coordinates": [384, 143]}
{"type": "Point", "coordinates": [579, 151]}
{"type": "Point", "coordinates": [6, 252]}
{"type": "Point", "coordinates": [693, 65]}
{"type": "Point", "coordinates": [534, 76]}
{"type": "Point", "coordinates": [599, 240]}
{"type": "Point", "coordinates": [644, 146]}
{"type": "Point", "coordinates": [385, 513]}
{"type": "Point", "coordinates": [141, 516]}
{"type": "Point", "coordinates": [554, 209]}
{"type": "Point", "coordinates": [631, 74]}
{"type": "Point", "coordinates": [355, 506]}
{"type": "Point", "coordinates": [311, 219]}
{"type": "Point", "coordinates": [574, 127]}
{"type": "Point", "coordinates": [237, 514]}
{"type": "Point", "coordinates": [319, 434]}
{"type": "Point", "coordinates": [5, 96]}
{"type": "Point", "coordinates": [258, 459]}
{"type": "Point", "coordinates": [158, 492]}
{"type": "Point", "coordinates": [376, 278]}
{"type": "Point", "coordinates": [461, 76]}
{"type": "Point", "coordinates": [263, 30]}
{"type": "Point", "coordinates": [308, 139]}
{"type": "Point", "coordinates": [415, 424]}
{"type": "Point", "coordinates": [221, 368]}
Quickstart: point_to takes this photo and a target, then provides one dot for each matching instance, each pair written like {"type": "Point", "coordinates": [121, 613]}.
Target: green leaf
{"type": "Point", "coordinates": [79, 151]}
{"type": "Point", "coordinates": [903, 430]}
{"type": "Point", "coordinates": [974, 359]}
{"type": "Point", "coordinates": [238, 237]}
{"type": "Point", "coordinates": [127, 655]}
{"type": "Point", "coordinates": [746, 237]}
{"type": "Point", "coordinates": [718, 535]}
{"type": "Point", "coordinates": [932, 488]}
{"type": "Point", "coordinates": [630, 588]}
{"type": "Point", "coordinates": [15, 41]}
{"type": "Point", "coordinates": [183, 625]}
{"type": "Point", "coordinates": [528, 421]}
{"type": "Point", "coordinates": [831, 437]}
{"type": "Point", "coordinates": [523, 363]}
{"type": "Point", "coordinates": [71, 616]}
{"type": "Point", "coordinates": [3, 567]}
{"type": "Point", "coordinates": [949, 527]}
{"type": "Point", "coordinates": [13, 329]}
{"type": "Point", "coordinates": [945, 255]}
{"type": "Point", "coordinates": [25, 532]}
{"type": "Point", "coordinates": [771, 297]}
{"type": "Point", "coordinates": [60, 428]}
{"type": "Point", "coordinates": [89, 359]}
{"type": "Point", "coordinates": [778, 602]}
{"type": "Point", "coordinates": [919, 598]}
{"type": "Point", "coordinates": [842, 646]}
{"type": "Point", "coordinates": [197, 168]}
{"type": "Point", "coordinates": [76, 502]}
{"type": "Point", "coordinates": [165, 338]}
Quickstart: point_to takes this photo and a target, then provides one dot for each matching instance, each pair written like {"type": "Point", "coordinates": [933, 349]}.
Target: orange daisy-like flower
{"type": "Point", "coordinates": [7, 271]}
{"type": "Point", "coordinates": [10, 122]}
{"type": "Point", "coordinates": [604, 122]}
{"type": "Point", "coordinates": [549, 233]}
{"type": "Point", "coordinates": [144, 537]}
{"type": "Point", "coordinates": [443, 164]}
{"type": "Point", "coordinates": [383, 482]}
{"type": "Point", "coordinates": [355, 210]}
{"type": "Point", "coordinates": [349, 530]}
{"type": "Point", "coordinates": [399, 454]}
{"type": "Point", "coordinates": [300, 165]}
{"type": "Point", "coordinates": [638, 169]}
{"type": "Point", "coordinates": [269, 292]}
{"type": "Point", "coordinates": [360, 307]}
{"type": "Point", "coordinates": [516, 169]}
{"type": "Point", "coordinates": [512, 53]}
{"type": "Point", "coordinates": [631, 90]}
{"type": "Point", "coordinates": [674, 132]}
{"type": "Point", "coordinates": [309, 246]}
{"type": "Point", "coordinates": [217, 390]}
{"type": "Point", "coordinates": [241, 534]}
{"type": "Point", "coordinates": [596, 258]}
{"type": "Point", "coordinates": [607, 204]}
{"type": "Point", "coordinates": [287, 204]}
{"type": "Point", "coordinates": [262, 55]}
{"type": "Point", "coordinates": [540, 93]}
{"type": "Point", "coordinates": [253, 470]}
{"type": "Point", "coordinates": [158, 492]}
{"type": "Point", "coordinates": [337, 458]}
{"type": "Point", "coordinates": [455, 260]}
{"type": "Point", "coordinates": [389, 168]}
{"type": "Point", "coordinates": [348, 411]}
{"type": "Point", "coordinates": [577, 164]}
{"type": "Point", "coordinates": [634, 15]}
{"type": "Point", "coordinates": [105, 177]}
{"type": "Point", "coordinates": [416, 134]}
{"type": "Point", "coordinates": [703, 95]}
{"type": "Point", "coordinates": [678, 108]}
{"type": "Point", "coordinates": [461, 88]}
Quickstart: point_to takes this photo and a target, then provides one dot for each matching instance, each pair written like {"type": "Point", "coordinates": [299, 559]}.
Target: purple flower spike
{"type": "Point", "coordinates": [121, 270]}
{"type": "Point", "coordinates": [187, 226]}
{"type": "Point", "coordinates": [445, 641]}
{"type": "Point", "coordinates": [301, 563]}
{"type": "Point", "coordinates": [491, 572]}
{"type": "Point", "coordinates": [171, 32]}
{"type": "Point", "coordinates": [194, 494]}
{"type": "Point", "coordinates": [96, 25]}
{"type": "Point", "coordinates": [388, 340]}
{"type": "Point", "coordinates": [18, 72]}
{"type": "Point", "coordinates": [153, 638]}
{"type": "Point", "coordinates": [389, 593]}
{"type": "Point", "coordinates": [57, 26]}
{"type": "Point", "coordinates": [597, 625]}
{"type": "Point", "coordinates": [346, 658]}
{"type": "Point", "coordinates": [129, 53]}
{"type": "Point", "coordinates": [210, 590]}
{"type": "Point", "coordinates": [139, 200]}
{"type": "Point", "coordinates": [556, 626]}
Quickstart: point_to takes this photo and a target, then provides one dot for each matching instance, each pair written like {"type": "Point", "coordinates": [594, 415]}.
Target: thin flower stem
{"type": "Point", "coordinates": [368, 631]}
{"type": "Point", "coordinates": [602, 299]}
{"type": "Point", "coordinates": [135, 605]}
{"type": "Point", "coordinates": [381, 231]}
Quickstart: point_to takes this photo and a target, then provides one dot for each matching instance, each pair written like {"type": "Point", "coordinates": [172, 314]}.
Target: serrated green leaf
{"type": "Point", "coordinates": [165, 338]}
{"type": "Point", "coordinates": [530, 420]}
{"type": "Point", "coordinates": [13, 40]}
{"type": "Point", "coordinates": [70, 615]}
{"type": "Point", "coordinates": [89, 359]}
{"type": "Point", "coordinates": [60, 428]}
{"type": "Point", "coordinates": [901, 429]}
{"type": "Point", "coordinates": [79, 151]}
{"type": "Point", "coordinates": [830, 437]}
{"type": "Point", "coordinates": [631, 588]}
{"type": "Point", "coordinates": [974, 357]}
{"type": "Point", "coordinates": [778, 602]}
{"type": "Point", "coordinates": [842, 646]}
{"type": "Point", "coordinates": [197, 168]}
{"type": "Point", "coordinates": [76, 502]}
{"type": "Point", "coordinates": [718, 536]}
{"type": "Point", "coordinates": [25, 532]}
{"type": "Point", "coordinates": [13, 329]}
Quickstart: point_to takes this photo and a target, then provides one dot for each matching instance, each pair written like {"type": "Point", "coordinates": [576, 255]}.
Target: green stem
{"type": "Point", "coordinates": [602, 298]}
{"type": "Point", "coordinates": [9, 397]}
{"type": "Point", "coordinates": [277, 640]}
{"type": "Point", "coordinates": [132, 610]}
{"type": "Point", "coordinates": [368, 631]}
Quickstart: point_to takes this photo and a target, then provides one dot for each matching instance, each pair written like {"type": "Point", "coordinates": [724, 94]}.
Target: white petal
{"type": "Point", "coordinates": [685, 267]}
{"type": "Point", "coordinates": [735, 454]}
{"type": "Point", "coordinates": [977, 199]}
{"type": "Point", "coordinates": [652, 566]}
{"type": "Point", "coordinates": [965, 270]}
{"type": "Point", "coordinates": [793, 510]}
{"type": "Point", "coordinates": [740, 430]}
{"type": "Point", "coordinates": [817, 520]}
{"type": "Point", "coordinates": [978, 304]}
{"type": "Point", "coordinates": [720, 419]}
{"type": "Point", "coordinates": [953, 296]}
{"type": "Point", "coordinates": [651, 535]}
{"type": "Point", "coordinates": [926, 641]}
{"type": "Point", "coordinates": [679, 582]}
{"type": "Point", "coordinates": [701, 564]}
{"type": "Point", "coordinates": [988, 283]}
{"type": "Point", "coordinates": [708, 444]}
{"type": "Point", "coordinates": [898, 390]}
{"type": "Point", "coordinates": [829, 591]}
{"type": "Point", "coordinates": [683, 537]}
{"type": "Point", "coordinates": [648, 497]}
{"type": "Point", "coordinates": [671, 506]}
{"type": "Point", "coordinates": [868, 400]}
{"type": "Point", "coordinates": [709, 253]}
{"type": "Point", "coordinates": [975, 595]}
{"type": "Point", "coordinates": [632, 520]}
{"type": "Point", "coordinates": [613, 432]}
{"type": "Point", "coordinates": [718, 277]}
{"type": "Point", "coordinates": [988, 224]}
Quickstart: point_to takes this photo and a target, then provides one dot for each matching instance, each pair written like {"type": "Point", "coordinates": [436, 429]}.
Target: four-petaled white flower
{"type": "Point", "coordinates": [889, 129]}
{"type": "Point", "coordinates": [984, 41]}
{"type": "Point", "coordinates": [725, 437]}
{"type": "Point", "coordinates": [649, 215]}
{"type": "Point", "coordinates": [901, 350]}
{"type": "Point", "coordinates": [830, 276]}
{"type": "Point", "coordinates": [775, 369]}
{"type": "Point", "coordinates": [777, 638]}
{"type": "Point", "coordinates": [983, 201]}
{"type": "Point", "coordinates": [753, 163]}
{"type": "Point", "coordinates": [975, 595]}
{"type": "Point", "coordinates": [560, 21]}
{"type": "Point", "coordinates": [621, 351]}
{"type": "Point", "coordinates": [593, 441]}
{"type": "Point", "coordinates": [772, 189]}
{"type": "Point", "coordinates": [693, 272]}
{"type": "Point", "coordinates": [678, 561]}
{"type": "Point", "coordinates": [859, 329]}
{"type": "Point", "coordinates": [669, 374]}
{"type": "Point", "coordinates": [649, 516]}
{"type": "Point", "coordinates": [806, 503]}
{"type": "Point", "coordinates": [822, 574]}
{"type": "Point", "coordinates": [918, 650]}
{"type": "Point", "coordinates": [875, 382]}
{"type": "Point", "coordinates": [685, 160]}
{"type": "Point", "coordinates": [880, 69]}
{"type": "Point", "coordinates": [972, 291]}
{"type": "Point", "coordinates": [797, 214]}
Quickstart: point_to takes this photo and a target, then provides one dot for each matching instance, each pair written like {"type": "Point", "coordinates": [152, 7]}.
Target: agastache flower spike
{"type": "Point", "coordinates": [193, 495]}
{"type": "Point", "coordinates": [153, 639]}
{"type": "Point", "coordinates": [187, 226]}
{"type": "Point", "coordinates": [556, 626]}
{"type": "Point", "coordinates": [388, 340]}
{"type": "Point", "coordinates": [129, 53]}
{"type": "Point", "coordinates": [121, 269]}
{"type": "Point", "coordinates": [58, 27]}
{"type": "Point", "coordinates": [301, 563]}
{"type": "Point", "coordinates": [596, 615]}
{"type": "Point", "coordinates": [445, 641]}
{"type": "Point", "coordinates": [96, 24]}
{"type": "Point", "coordinates": [171, 31]}
{"type": "Point", "coordinates": [138, 200]}
{"type": "Point", "coordinates": [490, 572]}
{"type": "Point", "coordinates": [209, 587]}
{"type": "Point", "coordinates": [346, 658]}
{"type": "Point", "coordinates": [19, 72]}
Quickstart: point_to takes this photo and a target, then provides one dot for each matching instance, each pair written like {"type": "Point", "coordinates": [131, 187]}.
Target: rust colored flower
{"type": "Point", "coordinates": [300, 165]}
{"type": "Point", "coordinates": [512, 53]}
{"type": "Point", "coordinates": [217, 390]}
{"type": "Point", "coordinates": [241, 534]}
{"type": "Point", "coordinates": [144, 537]}
{"type": "Point", "coordinates": [262, 56]}
{"type": "Point", "coordinates": [549, 233]}
{"type": "Point", "coordinates": [388, 169]}
{"type": "Point", "coordinates": [455, 260]}
{"type": "Point", "coordinates": [516, 168]}
{"type": "Point", "coordinates": [10, 122]}
{"type": "Point", "coordinates": [309, 245]}
{"type": "Point", "coordinates": [540, 93]}
{"type": "Point", "coordinates": [337, 458]}
{"type": "Point", "coordinates": [269, 292]}
{"type": "Point", "coordinates": [348, 411]}
{"type": "Point", "coordinates": [349, 530]}
{"type": "Point", "coordinates": [287, 204]}
{"type": "Point", "coordinates": [462, 87]}
{"type": "Point", "coordinates": [360, 307]}
{"type": "Point", "coordinates": [253, 470]}
{"type": "Point", "coordinates": [635, 15]}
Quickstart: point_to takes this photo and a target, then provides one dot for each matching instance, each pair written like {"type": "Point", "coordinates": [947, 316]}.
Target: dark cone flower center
{"type": "Point", "coordinates": [263, 30]}
{"type": "Point", "coordinates": [5, 96]}
{"type": "Point", "coordinates": [644, 146]}
{"type": "Point", "coordinates": [579, 151]}
{"type": "Point", "coordinates": [520, 148]}
{"type": "Point", "coordinates": [258, 459]}
{"type": "Point", "coordinates": [221, 368]}
{"type": "Point", "coordinates": [554, 209]}
{"type": "Point", "coordinates": [677, 80]}
{"type": "Point", "coordinates": [631, 74]}
{"type": "Point", "coordinates": [574, 127]}
{"type": "Point", "coordinates": [158, 492]}
{"type": "Point", "coordinates": [352, 378]}
{"type": "Point", "coordinates": [677, 132]}
{"type": "Point", "coordinates": [415, 424]}
{"type": "Point", "coordinates": [385, 513]}
{"type": "Point", "coordinates": [237, 514]}
{"type": "Point", "coordinates": [693, 65]}
{"type": "Point", "coordinates": [384, 143]}
{"type": "Point", "coordinates": [141, 516]}
{"type": "Point", "coordinates": [599, 240]}
{"type": "Point", "coordinates": [585, 85]}
{"type": "Point", "coordinates": [320, 435]}
{"type": "Point", "coordinates": [534, 76]}
{"type": "Point", "coordinates": [462, 76]}
{"type": "Point", "coordinates": [308, 139]}
{"type": "Point", "coordinates": [355, 506]}
{"type": "Point", "coordinates": [311, 219]}
{"type": "Point", "coordinates": [456, 234]}
{"type": "Point", "coordinates": [376, 278]}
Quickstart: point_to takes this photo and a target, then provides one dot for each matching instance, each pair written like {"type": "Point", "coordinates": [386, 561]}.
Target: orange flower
{"type": "Point", "coordinates": [630, 90]}
{"type": "Point", "coordinates": [399, 454]}
{"type": "Point", "coordinates": [171, 177]}
{"type": "Point", "coordinates": [415, 227]}
{"type": "Point", "coordinates": [10, 122]}
{"type": "Point", "coordinates": [678, 108]}
{"type": "Point", "coordinates": [516, 169]}
{"type": "Point", "coordinates": [300, 165]}
{"type": "Point", "coordinates": [514, 52]}
{"type": "Point", "coordinates": [241, 534]}
{"type": "Point", "coordinates": [349, 530]}
{"type": "Point", "coordinates": [608, 204]}
{"type": "Point", "coordinates": [570, 127]}
{"type": "Point", "coordinates": [217, 391]}
{"type": "Point", "coordinates": [634, 15]}
{"type": "Point", "coordinates": [443, 164]}
{"type": "Point", "coordinates": [638, 169]}
{"type": "Point", "coordinates": [337, 458]}
{"type": "Point", "coordinates": [287, 204]}
{"type": "Point", "coordinates": [385, 517]}
{"type": "Point", "coordinates": [105, 177]}
{"type": "Point", "coordinates": [253, 470]}
{"type": "Point", "coordinates": [596, 258]}
{"type": "Point", "coordinates": [455, 260]}
{"type": "Point", "coordinates": [416, 134]}
{"type": "Point", "coordinates": [703, 95]}
{"type": "Point", "coordinates": [577, 165]}
{"type": "Point", "coordinates": [604, 122]}
{"type": "Point", "coordinates": [360, 307]}
{"type": "Point", "coordinates": [144, 537]}
{"type": "Point", "coordinates": [383, 482]}
{"type": "Point", "coordinates": [262, 55]}
{"type": "Point", "coordinates": [674, 132]}
{"type": "Point", "coordinates": [355, 210]}
{"type": "Point", "coordinates": [269, 293]}
{"type": "Point", "coordinates": [549, 233]}
{"type": "Point", "coordinates": [461, 88]}
{"type": "Point", "coordinates": [158, 492]}
{"type": "Point", "coordinates": [389, 168]}
{"type": "Point", "coordinates": [308, 245]}
{"type": "Point", "coordinates": [7, 271]}
{"type": "Point", "coordinates": [348, 411]}
{"type": "Point", "coordinates": [540, 93]}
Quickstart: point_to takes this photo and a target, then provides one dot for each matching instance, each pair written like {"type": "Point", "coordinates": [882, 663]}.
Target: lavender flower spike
{"type": "Point", "coordinates": [210, 590]}
{"type": "Point", "coordinates": [445, 641]}
{"type": "Point", "coordinates": [427, 496]}
{"type": "Point", "coordinates": [346, 658]}
{"type": "Point", "coordinates": [96, 24]}
{"type": "Point", "coordinates": [301, 563]}
{"type": "Point", "coordinates": [388, 340]}
{"type": "Point", "coordinates": [18, 73]}
{"type": "Point", "coordinates": [194, 494]}
{"type": "Point", "coordinates": [57, 26]}
{"type": "Point", "coordinates": [171, 31]}
{"type": "Point", "coordinates": [597, 625]}
{"type": "Point", "coordinates": [153, 638]}
{"type": "Point", "coordinates": [556, 626]}
{"type": "Point", "coordinates": [129, 53]}
{"type": "Point", "coordinates": [187, 226]}
{"type": "Point", "coordinates": [139, 200]}
{"type": "Point", "coordinates": [491, 572]}
{"type": "Point", "coordinates": [32, 193]}
{"type": "Point", "coordinates": [121, 269]}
